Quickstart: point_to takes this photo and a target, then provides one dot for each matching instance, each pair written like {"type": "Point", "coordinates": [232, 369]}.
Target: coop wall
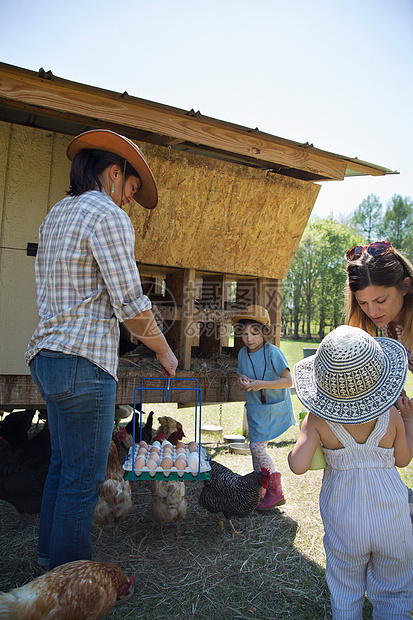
{"type": "Point", "coordinates": [221, 217]}
{"type": "Point", "coordinates": [213, 217]}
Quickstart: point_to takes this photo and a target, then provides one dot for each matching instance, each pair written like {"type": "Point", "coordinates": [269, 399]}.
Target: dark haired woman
{"type": "Point", "coordinates": [380, 292]}
{"type": "Point", "coordinates": [87, 282]}
{"type": "Point", "coordinates": [264, 374]}
{"type": "Point", "coordinates": [380, 295]}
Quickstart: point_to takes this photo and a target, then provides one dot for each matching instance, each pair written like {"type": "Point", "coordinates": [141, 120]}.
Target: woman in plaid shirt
{"type": "Point", "coordinates": [87, 282]}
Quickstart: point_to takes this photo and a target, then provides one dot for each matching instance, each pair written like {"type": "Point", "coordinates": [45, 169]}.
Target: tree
{"type": "Point", "coordinates": [336, 239]}
{"type": "Point", "coordinates": [291, 291]}
{"type": "Point", "coordinates": [367, 218]}
{"type": "Point", "coordinates": [310, 266]}
{"type": "Point", "coordinates": [397, 224]}
{"type": "Point", "coordinates": [316, 280]}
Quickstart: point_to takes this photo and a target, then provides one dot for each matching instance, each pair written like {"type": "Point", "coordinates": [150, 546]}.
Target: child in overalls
{"type": "Point", "coordinates": [349, 387]}
{"type": "Point", "coordinates": [264, 374]}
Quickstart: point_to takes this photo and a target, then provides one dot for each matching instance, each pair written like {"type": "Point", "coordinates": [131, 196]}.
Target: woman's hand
{"type": "Point", "coordinates": [144, 326]}
{"type": "Point", "coordinates": [168, 362]}
{"type": "Point", "coordinates": [406, 408]}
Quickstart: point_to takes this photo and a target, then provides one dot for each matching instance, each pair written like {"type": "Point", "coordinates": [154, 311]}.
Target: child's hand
{"type": "Point", "coordinates": [243, 381]}
{"type": "Point", "coordinates": [254, 386]}
{"type": "Point", "coordinates": [406, 407]}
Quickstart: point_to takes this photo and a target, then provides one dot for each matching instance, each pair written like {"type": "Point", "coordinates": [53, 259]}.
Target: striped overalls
{"type": "Point", "coordinates": [368, 537]}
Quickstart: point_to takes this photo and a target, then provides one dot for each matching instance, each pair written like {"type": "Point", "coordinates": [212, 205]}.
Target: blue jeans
{"type": "Point", "coordinates": [80, 401]}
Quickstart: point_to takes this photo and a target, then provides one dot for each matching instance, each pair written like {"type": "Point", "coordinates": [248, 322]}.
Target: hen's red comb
{"type": "Point", "coordinates": [266, 471]}
{"type": "Point", "coordinates": [160, 437]}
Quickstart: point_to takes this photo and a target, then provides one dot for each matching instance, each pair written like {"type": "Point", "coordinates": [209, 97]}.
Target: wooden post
{"type": "Point", "coordinates": [269, 296]}
{"type": "Point", "coordinates": [187, 320]}
{"type": "Point", "coordinates": [212, 300]}
{"type": "Point", "coordinates": [174, 285]}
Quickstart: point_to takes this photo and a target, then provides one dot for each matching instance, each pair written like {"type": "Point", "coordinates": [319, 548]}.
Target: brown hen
{"type": "Point", "coordinates": [168, 502]}
{"type": "Point", "coordinates": [81, 590]}
{"type": "Point", "coordinates": [115, 494]}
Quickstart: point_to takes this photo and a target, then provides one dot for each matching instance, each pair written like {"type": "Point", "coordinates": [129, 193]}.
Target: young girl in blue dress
{"type": "Point", "coordinates": [264, 374]}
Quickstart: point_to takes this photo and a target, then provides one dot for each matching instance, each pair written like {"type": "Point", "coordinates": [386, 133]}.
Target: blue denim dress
{"type": "Point", "coordinates": [270, 420]}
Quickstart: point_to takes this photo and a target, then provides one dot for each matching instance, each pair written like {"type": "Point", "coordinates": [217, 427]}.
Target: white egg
{"type": "Point", "coordinates": [193, 455]}
{"type": "Point", "coordinates": [193, 464]}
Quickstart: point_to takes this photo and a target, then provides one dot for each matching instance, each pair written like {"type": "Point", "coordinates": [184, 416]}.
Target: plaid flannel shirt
{"type": "Point", "coordinates": [86, 279]}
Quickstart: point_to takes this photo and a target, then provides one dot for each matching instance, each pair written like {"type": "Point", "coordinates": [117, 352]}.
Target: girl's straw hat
{"type": "Point", "coordinates": [106, 140]}
{"type": "Point", "coordinates": [353, 377]}
{"type": "Point", "coordinates": [258, 314]}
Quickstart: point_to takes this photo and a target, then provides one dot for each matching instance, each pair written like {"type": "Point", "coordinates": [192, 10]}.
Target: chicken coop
{"type": "Point", "coordinates": [233, 205]}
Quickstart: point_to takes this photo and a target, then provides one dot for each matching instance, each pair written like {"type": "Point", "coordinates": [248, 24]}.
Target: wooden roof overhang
{"type": "Point", "coordinates": [42, 100]}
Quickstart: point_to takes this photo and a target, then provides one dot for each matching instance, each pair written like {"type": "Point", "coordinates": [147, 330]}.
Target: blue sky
{"type": "Point", "coordinates": [335, 73]}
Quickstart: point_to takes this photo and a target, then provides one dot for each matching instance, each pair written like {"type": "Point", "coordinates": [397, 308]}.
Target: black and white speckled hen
{"type": "Point", "coordinates": [232, 494]}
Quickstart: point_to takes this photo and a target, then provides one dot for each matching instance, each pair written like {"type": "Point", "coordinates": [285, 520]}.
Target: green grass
{"type": "Point", "coordinates": [293, 349]}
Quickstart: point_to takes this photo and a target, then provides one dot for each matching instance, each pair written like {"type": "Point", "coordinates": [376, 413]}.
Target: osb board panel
{"type": "Point", "coordinates": [217, 216]}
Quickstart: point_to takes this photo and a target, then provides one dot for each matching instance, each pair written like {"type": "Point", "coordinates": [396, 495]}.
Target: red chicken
{"type": "Point", "coordinates": [115, 494]}
{"type": "Point", "coordinates": [173, 437]}
{"type": "Point", "coordinates": [232, 494]}
{"type": "Point", "coordinates": [168, 425]}
{"type": "Point", "coordinates": [81, 590]}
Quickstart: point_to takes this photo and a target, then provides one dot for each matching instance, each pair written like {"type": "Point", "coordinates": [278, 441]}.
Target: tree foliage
{"type": "Point", "coordinates": [314, 290]}
{"type": "Point", "coordinates": [397, 223]}
{"type": "Point", "coordinates": [367, 218]}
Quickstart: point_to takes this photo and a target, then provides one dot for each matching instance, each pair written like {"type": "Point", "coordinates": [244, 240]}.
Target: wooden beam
{"type": "Point", "coordinates": [88, 102]}
{"type": "Point", "coordinates": [187, 319]}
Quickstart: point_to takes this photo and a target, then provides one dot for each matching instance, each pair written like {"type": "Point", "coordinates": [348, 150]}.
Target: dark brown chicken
{"type": "Point", "coordinates": [232, 494]}
{"type": "Point", "coordinates": [20, 486]}
{"type": "Point", "coordinates": [15, 427]}
{"type": "Point", "coordinates": [81, 590]}
{"type": "Point", "coordinates": [36, 453]}
{"type": "Point", "coordinates": [146, 429]}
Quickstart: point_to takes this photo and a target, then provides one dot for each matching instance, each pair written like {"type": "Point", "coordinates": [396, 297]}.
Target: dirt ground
{"type": "Point", "coordinates": [275, 570]}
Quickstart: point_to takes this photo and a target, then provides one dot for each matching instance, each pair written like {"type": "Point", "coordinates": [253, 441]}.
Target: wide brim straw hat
{"type": "Point", "coordinates": [258, 314]}
{"type": "Point", "coordinates": [353, 377]}
{"type": "Point", "coordinates": [106, 140]}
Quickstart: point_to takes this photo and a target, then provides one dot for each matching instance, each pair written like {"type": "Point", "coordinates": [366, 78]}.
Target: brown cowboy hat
{"type": "Point", "coordinates": [258, 314]}
{"type": "Point", "coordinates": [106, 140]}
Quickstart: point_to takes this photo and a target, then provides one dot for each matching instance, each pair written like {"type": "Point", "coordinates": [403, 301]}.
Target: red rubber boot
{"type": "Point", "coordinates": [274, 495]}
